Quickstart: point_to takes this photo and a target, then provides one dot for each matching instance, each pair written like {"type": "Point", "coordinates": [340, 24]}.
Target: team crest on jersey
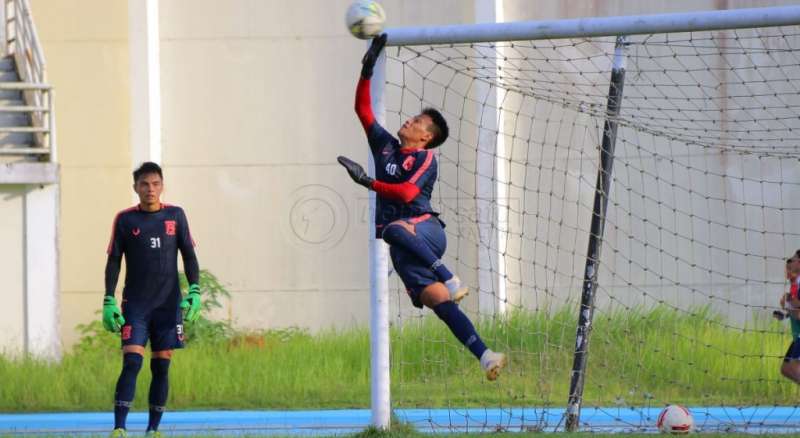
{"type": "Point", "coordinates": [169, 227]}
{"type": "Point", "coordinates": [136, 231]}
{"type": "Point", "coordinates": [408, 163]}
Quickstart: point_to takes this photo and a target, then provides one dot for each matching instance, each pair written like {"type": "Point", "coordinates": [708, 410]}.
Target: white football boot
{"type": "Point", "coordinates": [492, 363]}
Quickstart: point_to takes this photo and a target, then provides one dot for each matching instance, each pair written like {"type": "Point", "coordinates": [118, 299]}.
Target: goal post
{"type": "Point", "coordinates": [600, 206]}
{"type": "Point", "coordinates": [694, 220]}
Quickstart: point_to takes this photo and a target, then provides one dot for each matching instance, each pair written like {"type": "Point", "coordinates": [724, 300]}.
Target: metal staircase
{"type": "Point", "coordinates": [27, 118]}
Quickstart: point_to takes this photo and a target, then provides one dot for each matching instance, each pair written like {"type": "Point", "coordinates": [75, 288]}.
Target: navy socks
{"type": "Point", "coordinates": [159, 389]}
{"type": "Point", "coordinates": [461, 327]}
{"type": "Point", "coordinates": [126, 388]}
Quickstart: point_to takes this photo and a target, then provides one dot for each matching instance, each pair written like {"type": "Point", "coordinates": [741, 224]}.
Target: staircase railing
{"type": "Point", "coordinates": [22, 42]}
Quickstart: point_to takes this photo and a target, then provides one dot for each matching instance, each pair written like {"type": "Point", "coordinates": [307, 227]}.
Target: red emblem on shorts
{"type": "Point", "coordinates": [126, 332]}
{"type": "Point", "coordinates": [169, 227]}
{"type": "Point", "coordinates": [408, 163]}
{"type": "Point", "coordinates": [136, 231]}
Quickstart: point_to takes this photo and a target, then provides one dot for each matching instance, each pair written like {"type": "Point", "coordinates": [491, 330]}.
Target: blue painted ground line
{"type": "Point", "coordinates": [754, 420]}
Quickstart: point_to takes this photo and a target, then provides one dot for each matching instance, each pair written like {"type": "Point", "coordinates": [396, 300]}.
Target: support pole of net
{"type": "Point", "coordinates": [378, 283]}
{"type": "Point", "coordinates": [601, 194]}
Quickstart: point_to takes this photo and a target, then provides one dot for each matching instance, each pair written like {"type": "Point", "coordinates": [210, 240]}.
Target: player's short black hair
{"type": "Point", "coordinates": [438, 128]}
{"type": "Point", "coordinates": [146, 168]}
{"type": "Point", "coordinates": [797, 253]}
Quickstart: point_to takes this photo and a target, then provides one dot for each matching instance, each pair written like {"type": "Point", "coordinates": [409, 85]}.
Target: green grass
{"type": "Point", "coordinates": [636, 358]}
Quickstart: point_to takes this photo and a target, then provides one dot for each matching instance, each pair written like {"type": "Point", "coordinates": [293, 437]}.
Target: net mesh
{"type": "Point", "coordinates": [701, 217]}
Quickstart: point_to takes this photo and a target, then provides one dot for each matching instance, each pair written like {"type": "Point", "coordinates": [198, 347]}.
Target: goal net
{"type": "Point", "coordinates": [703, 211]}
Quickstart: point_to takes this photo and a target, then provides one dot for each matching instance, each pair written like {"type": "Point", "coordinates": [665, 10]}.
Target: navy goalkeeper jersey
{"type": "Point", "coordinates": [150, 242]}
{"type": "Point", "coordinates": [394, 165]}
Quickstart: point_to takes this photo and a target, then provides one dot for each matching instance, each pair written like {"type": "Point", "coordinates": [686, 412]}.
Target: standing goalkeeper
{"type": "Point", "coordinates": [149, 235]}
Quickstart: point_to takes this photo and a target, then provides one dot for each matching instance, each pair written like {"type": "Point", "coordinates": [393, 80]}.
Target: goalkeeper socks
{"type": "Point", "coordinates": [461, 327]}
{"type": "Point", "coordinates": [126, 388]}
{"type": "Point", "coordinates": [398, 236]}
{"type": "Point", "coordinates": [159, 389]}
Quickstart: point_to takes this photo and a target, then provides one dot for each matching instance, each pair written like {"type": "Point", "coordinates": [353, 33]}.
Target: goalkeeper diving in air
{"type": "Point", "coordinates": [406, 171]}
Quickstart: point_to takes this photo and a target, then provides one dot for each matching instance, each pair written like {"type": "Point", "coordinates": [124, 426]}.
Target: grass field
{"type": "Point", "coordinates": [636, 359]}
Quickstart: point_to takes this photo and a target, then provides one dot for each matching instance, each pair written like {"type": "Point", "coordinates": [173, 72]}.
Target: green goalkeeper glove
{"type": "Point", "coordinates": [191, 304]}
{"type": "Point", "coordinates": [112, 316]}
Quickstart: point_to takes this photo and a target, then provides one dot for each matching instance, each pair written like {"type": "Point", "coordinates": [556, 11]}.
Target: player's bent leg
{"type": "Point", "coordinates": [437, 297]}
{"type": "Point", "coordinates": [404, 235]}
{"type": "Point", "coordinates": [132, 357]}
{"type": "Point", "coordinates": [159, 389]}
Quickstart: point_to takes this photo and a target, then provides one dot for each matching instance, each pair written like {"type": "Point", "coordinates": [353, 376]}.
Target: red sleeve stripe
{"type": "Point", "coordinates": [423, 168]}
{"type": "Point", "coordinates": [114, 227]}
{"type": "Point", "coordinates": [364, 104]}
{"type": "Point", "coordinates": [403, 192]}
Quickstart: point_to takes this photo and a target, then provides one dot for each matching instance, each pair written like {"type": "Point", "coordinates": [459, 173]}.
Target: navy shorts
{"type": "Point", "coordinates": [162, 326]}
{"type": "Point", "coordinates": [415, 275]}
{"type": "Point", "coordinates": [793, 353]}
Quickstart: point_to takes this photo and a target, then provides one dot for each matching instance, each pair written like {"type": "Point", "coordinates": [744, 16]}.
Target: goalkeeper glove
{"type": "Point", "coordinates": [112, 316]}
{"type": "Point", "coordinates": [356, 172]}
{"type": "Point", "coordinates": [371, 57]}
{"type": "Point", "coordinates": [191, 304]}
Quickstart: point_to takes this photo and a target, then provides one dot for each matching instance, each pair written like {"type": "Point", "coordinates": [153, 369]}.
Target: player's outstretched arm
{"type": "Point", "coordinates": [363, 99]}
{"type": "Point", "coordinates": [112, 316]}
{"type": "Point", "coordinates": [404, 192]}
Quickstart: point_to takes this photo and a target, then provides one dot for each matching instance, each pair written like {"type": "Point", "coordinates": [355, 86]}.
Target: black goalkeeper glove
{"type": "Point", "coordinates": [356, 172]}
{"type": "Point", "coordinates": [371, 57]}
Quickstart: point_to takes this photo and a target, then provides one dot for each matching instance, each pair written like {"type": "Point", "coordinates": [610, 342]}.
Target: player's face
{"type": "Point", "coordinates": [149, 187]}
{"type": "Point", "coordinates": [415, 129]}
{"type": "Point", "coordinates": [792, 268]}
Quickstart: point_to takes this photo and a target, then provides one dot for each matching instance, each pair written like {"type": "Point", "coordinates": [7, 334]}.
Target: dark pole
{"type": "Point", "coordinates": [602, 189]}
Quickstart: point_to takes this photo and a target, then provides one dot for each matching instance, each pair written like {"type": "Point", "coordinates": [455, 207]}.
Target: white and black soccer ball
{"type": "Point", "coordinates": [675, 420]}
{"type": "Point", "coordinates": [365, 19]}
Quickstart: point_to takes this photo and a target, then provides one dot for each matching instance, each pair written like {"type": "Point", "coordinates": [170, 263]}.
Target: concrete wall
{"type": "Point", "coordinates": [12, 256]}
{"type": "Point", "coordinates": [256, 103]}
{"type": "Point", "coordinates": [85, 45]}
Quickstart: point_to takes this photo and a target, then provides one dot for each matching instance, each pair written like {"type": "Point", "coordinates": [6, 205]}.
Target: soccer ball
{"type": "Point", "coordinates": [365, 19]}
{"type": "Point", "coordinates": [675, 420]}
